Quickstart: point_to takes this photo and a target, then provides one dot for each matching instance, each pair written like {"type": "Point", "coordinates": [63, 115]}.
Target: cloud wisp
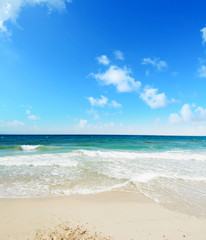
{"type": "Point", "coordinates": [158, 64]}
{"type": "Point", "coordinates": [10, 9]}
{"type": "Point", "coordinates": [119, 55]}
{"type": "Point", "coordinates": [115, 104]}
{"type": "Point", "coordinates": [98, 102]}
{"type": "Point", "coordinates": [82, 123]}
{"type": "Point", "coordinates": [12, 124]}
{"type": "Point", "coordinates": [32, 116]}
{"type": "Point", "coordinates": [94, 113]}
{"type": "Point", "coordinates": [203, 31]}
{"type": "Point", "coordinates": [103, 60]}
{"type": "Point", "coordinates": [102, 102]}
{"type": "Point", "coordinates": [202, 71]}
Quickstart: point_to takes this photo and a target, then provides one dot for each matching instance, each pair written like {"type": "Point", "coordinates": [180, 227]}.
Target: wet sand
{"type": "Point", "coordinates": [110, 215]}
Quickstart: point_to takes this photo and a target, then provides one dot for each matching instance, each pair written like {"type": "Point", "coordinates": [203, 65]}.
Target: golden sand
{"type": "Point", "coordinates": [118, 216]}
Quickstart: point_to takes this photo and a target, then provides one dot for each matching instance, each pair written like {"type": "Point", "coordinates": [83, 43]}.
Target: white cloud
{"type": "Point", "coordinates": [13, 123]}
{"type": "Point", "coordinates": [202, 71]}
{"type": "Point", "coordinates": [102, 102]}
{"type": "Point", "coordinates": [10, 9]}
{"type": "Point", "coordinates": [153, 98]}
{"type": "Point", "coordinates": [155, 62]}
{"type": "Point", "coordinates": [98, 102]}
{"type": "Point", "coordinates": [33, 117]}
{"type": "Point", "coordinates": [203, 31]}
{"type": "Point", "coordinates": [101, 126]}
{"type": "Point", "coordinates": [119, 77]}
{"type": "Point", "coordinates": [147, 72]}
{"type": "Point", "coordinates": [115, 104]}
{"type": "Point", "coordinates": [174, 118]}
{"type": "Point", "coordinates": [119, 55]}
{"type": "Point", "coordinates": [103, 60]}
{"type": "Point", "coordinates": [175, 74]}
{"type": "Point", "coordinates": [187, 114]}
{"type": "Point", "coordinates": [94, 113]}
{"type": "Point", "coordinates": [202, 113]}
{"type": "Point", "coordinates": [82, 123]}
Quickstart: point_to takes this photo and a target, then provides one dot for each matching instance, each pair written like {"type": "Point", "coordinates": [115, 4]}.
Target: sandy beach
{"type": "Point", "coordinates": [102, 120]}
{"type": "Point", "coordinates": [109, 215]}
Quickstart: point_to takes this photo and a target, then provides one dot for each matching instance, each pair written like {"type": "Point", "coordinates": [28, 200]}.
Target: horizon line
{"type": "Point", "coordinates": [94, 134]}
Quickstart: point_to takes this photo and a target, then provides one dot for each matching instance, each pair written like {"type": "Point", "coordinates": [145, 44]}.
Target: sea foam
{"type": "Point", "coordinates": [169, 155]}
{"type": "Point", "coordinates": [169, 177]}
{"type": "Point", "coordinates": [29, 147]}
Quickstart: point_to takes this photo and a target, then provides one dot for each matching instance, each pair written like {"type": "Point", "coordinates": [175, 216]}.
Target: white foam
{"type": "Point", "coordinates": [146, 177]}
{"type": "Point", "coordinates": [60, 159]}
{"type": "Point", "coordinates": [86, 172]}
{"type": "Point", "coordinates": [169, 155]}
{"type": "Point", "coordinates": [85, 191]}
{"type": "Point", "coordinates": [105, 155]}
{"type": "Point", "coordinates": [29, 147]}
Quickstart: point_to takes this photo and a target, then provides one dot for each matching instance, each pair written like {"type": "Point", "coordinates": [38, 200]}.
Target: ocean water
{"type": "Point", "coordinates": [170, 170]}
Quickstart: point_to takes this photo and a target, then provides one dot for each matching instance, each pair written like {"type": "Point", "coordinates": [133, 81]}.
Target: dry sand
{"type": "Point", "coordinates": [103, 216]}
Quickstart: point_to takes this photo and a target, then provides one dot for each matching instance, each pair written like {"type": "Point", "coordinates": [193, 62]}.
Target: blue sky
{"type": "Point", "coordinates": [110, 67]}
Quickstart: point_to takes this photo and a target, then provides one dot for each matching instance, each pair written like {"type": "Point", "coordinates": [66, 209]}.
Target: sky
{"type": "Point", "coordinates": [103, 67]}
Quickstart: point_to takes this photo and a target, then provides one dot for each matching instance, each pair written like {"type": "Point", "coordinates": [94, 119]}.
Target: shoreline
{"type": "Point", "coordinates": [121, 216]}
{"type": "Point", "coordinates": [99, 196]}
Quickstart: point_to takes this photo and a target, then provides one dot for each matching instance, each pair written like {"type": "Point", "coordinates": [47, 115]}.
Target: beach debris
{"type": "Point", "coordinates": [64, 232]}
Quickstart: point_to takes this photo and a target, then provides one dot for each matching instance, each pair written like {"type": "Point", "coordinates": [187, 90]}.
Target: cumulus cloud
{"type": "Point", "coordinates": [188, 113]}
{"type": "Point", "coordinates": [203, 31]}
{"type": "Point", "coordinates": [202, 113]}
{"type": "Point", "coordinates": [13, 123]}
{"type": "Point", "coordinates": [119, 55]}
{"type": "Point", "coordinates": [119, 77]}
{"type": "Point", "coordinates": [155, 62]}
{"type": "Point", "coordinates": [154, 99]}
{"type": "Point", "coordinates": [103, 60]}
{"type": "Point", "coordinates": [10, 9]}
{"type": "Point", "coordinates": [202, 71]}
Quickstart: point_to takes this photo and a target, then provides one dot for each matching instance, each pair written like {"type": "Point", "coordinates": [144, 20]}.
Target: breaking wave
{"type": "Point", "coordinates": [27, 147]}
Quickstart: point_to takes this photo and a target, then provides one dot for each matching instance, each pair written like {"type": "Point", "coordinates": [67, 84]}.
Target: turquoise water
{"type": "Point", "coordinates": [170, 170]}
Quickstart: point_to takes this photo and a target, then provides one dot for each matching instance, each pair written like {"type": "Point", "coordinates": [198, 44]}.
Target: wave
{"type": "Point", "coordinates": [58, 159]}
{"type": "Point", "coordinates": [150, 176]}
{"type": "Point", "coordinates": [27, 147]}
{"type": "Point", "coordinates": [169, 177]}
{"type": "Point", "coordinates": [132, 171]}
{"type": "Point", "coordinates": [121, 155]}
{"type": "Point", "coordinates": [62, 159]}
{"type": "Point", "coordinates": [168, 155]}
{"type": "Point", "coordinates": [10, 147]}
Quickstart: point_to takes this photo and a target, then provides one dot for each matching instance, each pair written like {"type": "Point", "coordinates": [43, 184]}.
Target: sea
{"type": "Point", "coordinates": [170, 170]}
